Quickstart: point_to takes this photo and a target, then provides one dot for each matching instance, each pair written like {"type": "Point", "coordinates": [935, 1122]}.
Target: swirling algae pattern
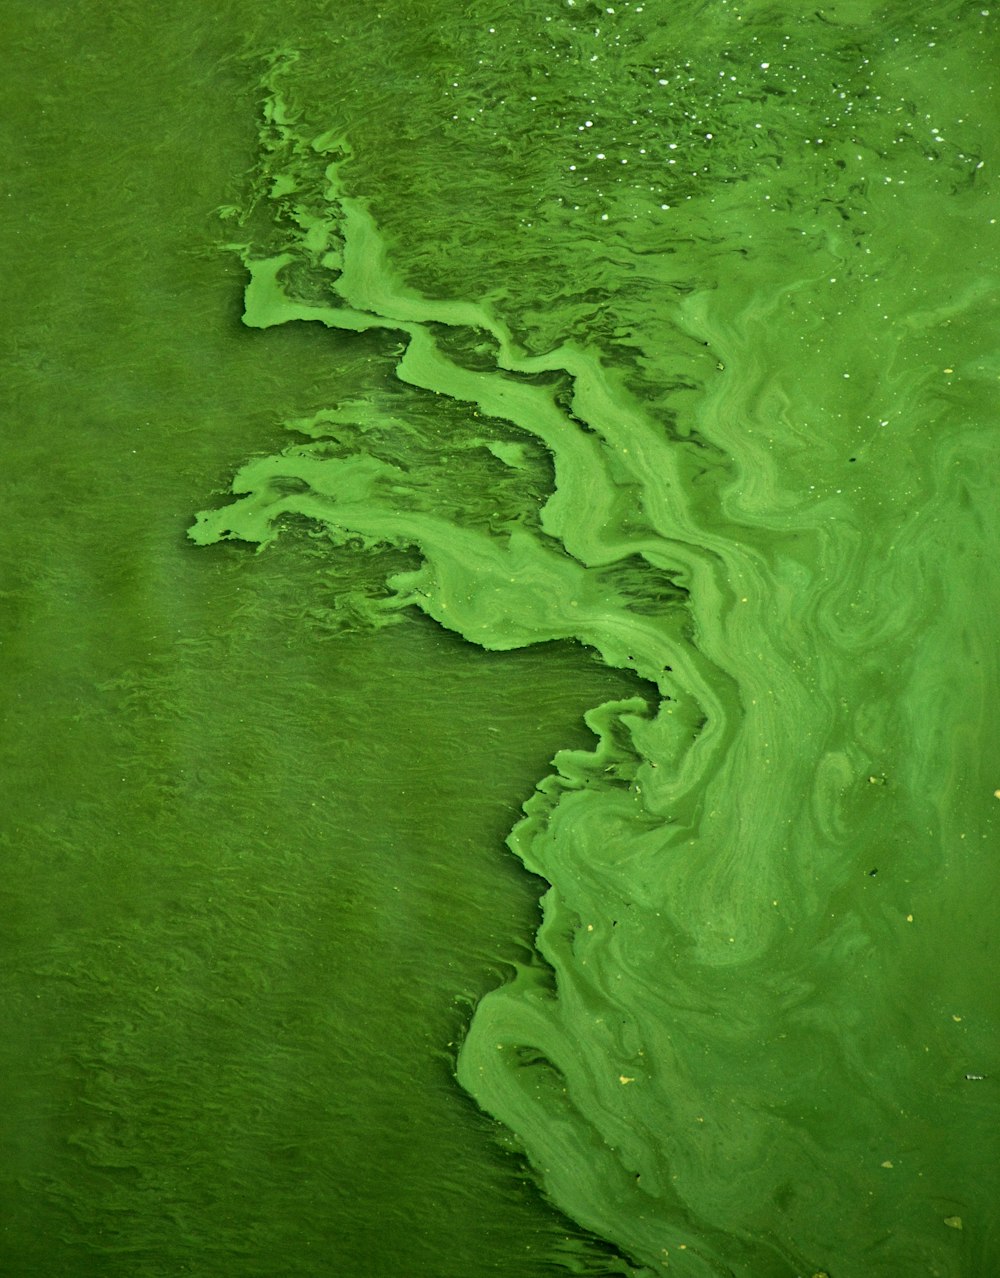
{"type": "Point", "coordinates": [731, 1054]}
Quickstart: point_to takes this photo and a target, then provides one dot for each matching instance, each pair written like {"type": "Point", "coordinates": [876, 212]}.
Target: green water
{"type": "Point", "coordinates": [634, 361]}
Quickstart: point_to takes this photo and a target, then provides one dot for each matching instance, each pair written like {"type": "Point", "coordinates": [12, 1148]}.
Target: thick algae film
{"type": "Point", "coordinates": [678, 327]}
{"type": "Point", "coordinates": [662, 332]}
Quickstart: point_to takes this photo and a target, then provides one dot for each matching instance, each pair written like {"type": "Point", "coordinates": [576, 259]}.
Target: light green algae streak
{"type": "Point", "coordinates": [763, 981]}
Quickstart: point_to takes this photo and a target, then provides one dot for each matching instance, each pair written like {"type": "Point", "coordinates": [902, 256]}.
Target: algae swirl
{"type": "Point", "coordinates": [721, 1059]}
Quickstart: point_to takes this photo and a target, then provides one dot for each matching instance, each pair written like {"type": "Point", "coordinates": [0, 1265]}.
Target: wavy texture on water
{"type": "Point", "coordinates": [719, 1061]}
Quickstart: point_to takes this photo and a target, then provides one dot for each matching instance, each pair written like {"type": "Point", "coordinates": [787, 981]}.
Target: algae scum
{"type": "Point", "coordinates": [764, 384]}
{"type": "Point", "coordinates": [647, 350]}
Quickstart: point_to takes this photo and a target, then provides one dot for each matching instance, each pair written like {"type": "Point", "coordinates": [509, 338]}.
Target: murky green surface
{"type": "Point", "coordinates": [639, 357]}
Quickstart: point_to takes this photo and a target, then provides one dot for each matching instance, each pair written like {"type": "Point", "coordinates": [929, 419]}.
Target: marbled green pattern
{"type": "Point", "coordinates": [661, 333]}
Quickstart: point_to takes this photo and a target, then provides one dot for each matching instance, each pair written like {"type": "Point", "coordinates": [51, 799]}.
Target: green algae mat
{"type": "Point", "coordinates": [500, 770]}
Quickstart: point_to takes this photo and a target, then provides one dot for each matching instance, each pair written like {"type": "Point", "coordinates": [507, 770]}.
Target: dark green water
{"type": "Point", "coordinates": [636, 356]}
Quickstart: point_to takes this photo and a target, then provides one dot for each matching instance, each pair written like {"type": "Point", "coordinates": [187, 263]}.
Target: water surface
{"type": "Point", "coordinates": [629, 360]}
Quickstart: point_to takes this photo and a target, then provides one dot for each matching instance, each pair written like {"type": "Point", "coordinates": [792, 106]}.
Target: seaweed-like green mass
{"type": "Point", "coordinates": [733, 1054]}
